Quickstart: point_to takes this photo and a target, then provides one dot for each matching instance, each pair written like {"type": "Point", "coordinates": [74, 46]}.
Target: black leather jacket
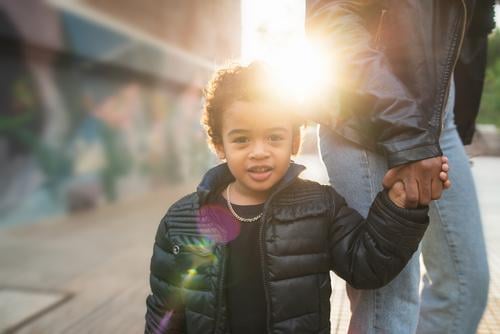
{"type": "Point", "coordinates": [396, 58]}
{"type": "Point", "coordinates": [470, 70]}
{"type": "Point", "coordinates": [307, 231]}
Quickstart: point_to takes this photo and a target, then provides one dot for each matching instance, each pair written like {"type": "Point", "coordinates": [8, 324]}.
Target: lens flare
{"type": "Point", "coordinates": [164, 322]}
{"type": "Point", "coordinates": [217, 224]}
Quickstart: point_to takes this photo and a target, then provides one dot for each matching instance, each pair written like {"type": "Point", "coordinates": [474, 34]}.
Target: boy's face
{"type": "Point", "coordinates": [257, 143]}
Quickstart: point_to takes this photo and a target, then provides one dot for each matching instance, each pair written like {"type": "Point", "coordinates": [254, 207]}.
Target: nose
{"type": "Point", "coordinates": [259, 151]}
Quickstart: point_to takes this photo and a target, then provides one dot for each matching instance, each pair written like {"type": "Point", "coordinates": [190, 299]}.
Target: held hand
{"type": "Point", "coordinates": [417, 183]}
{"type": "Point", "coordinates": [443, 176]}
{"type": "Point", "coordinates": [397, 194]}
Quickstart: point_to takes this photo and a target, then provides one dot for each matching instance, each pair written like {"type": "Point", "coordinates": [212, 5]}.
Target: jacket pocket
{"type": "Point", "coordinates": [192, 253]}
{"type": "Point", "coordinates": [194, 259]}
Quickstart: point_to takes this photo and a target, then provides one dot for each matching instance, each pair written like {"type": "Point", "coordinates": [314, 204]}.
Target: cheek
{"type": "Point", "coordinates": [235, 158]}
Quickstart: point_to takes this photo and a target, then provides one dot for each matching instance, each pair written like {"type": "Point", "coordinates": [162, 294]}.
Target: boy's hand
{"type": "Point", "coordinates": [397, 192]}
{"type": "Point", "coordinates": [444, 172]}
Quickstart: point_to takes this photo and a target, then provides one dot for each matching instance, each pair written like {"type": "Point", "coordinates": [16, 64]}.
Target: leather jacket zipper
{"type": "Point", "coordinates": [450, 71]}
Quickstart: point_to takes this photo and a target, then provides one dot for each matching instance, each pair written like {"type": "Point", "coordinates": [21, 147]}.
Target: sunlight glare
{"type": "Point", "coordinates": [273, 31]}
{"type": "Point", "coordinates": [301, 72]}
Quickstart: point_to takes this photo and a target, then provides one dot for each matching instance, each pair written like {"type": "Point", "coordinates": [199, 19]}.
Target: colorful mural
{"type": "Point", "coordinates": [81, 124]}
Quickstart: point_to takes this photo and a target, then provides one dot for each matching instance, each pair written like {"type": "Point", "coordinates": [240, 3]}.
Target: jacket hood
{"type": "Point", "coordinates": [220, 175]}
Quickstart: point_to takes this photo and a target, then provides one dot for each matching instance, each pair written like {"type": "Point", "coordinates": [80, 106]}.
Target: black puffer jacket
{"type": "Point", "coordinates": [395, 62]}
{"type": "Point", "coordinates": [307, 231]}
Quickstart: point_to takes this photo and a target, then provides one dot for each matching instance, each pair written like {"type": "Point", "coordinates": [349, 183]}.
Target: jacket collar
{"type": "Point", "coordinates": [220, 175]}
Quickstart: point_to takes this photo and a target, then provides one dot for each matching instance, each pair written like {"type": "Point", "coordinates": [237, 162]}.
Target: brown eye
{"type": "Point", "coordinates": [275, 137]}
{"type": "Point", "coordinates": [240, 140]}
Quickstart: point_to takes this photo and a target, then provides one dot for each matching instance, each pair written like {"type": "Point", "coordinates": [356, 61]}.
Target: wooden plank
{"type": "Point", "coordinates": [101, 257]}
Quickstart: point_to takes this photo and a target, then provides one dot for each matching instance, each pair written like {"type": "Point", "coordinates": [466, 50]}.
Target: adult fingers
{"type": "Point", "coordinates": [411, 187]}
{"type": "Point", "coordinates": [424, 191]}
{"type": "Point", "coordinates": [437, 188]}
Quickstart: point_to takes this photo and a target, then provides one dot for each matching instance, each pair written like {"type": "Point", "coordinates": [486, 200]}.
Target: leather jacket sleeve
{"type": "Point", "coordinates": [165, 308]}
{"type": "Point", "coordinates": [377, 105]}
{"type": "Point", "coordinates": [369, 253]}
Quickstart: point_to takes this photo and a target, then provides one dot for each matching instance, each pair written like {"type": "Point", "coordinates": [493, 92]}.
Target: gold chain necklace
{"type": "Point", "coordinates": [241, 219]}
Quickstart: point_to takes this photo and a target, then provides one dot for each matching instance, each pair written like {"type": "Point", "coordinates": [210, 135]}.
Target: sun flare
{"type": "Point", "coordinates": [301, 71]}
{"type": "Point", "coordinates": [274, 33]}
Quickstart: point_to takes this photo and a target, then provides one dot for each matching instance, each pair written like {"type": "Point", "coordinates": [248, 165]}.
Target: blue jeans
{"type": "Point", "coordinates": [455, 283]}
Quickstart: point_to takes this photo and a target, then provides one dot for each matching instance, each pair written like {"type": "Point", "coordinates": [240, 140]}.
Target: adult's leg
{"type": "Point", "coordinates": [357, 175]}
{"type": "Point", "coordinates": [456, 279]}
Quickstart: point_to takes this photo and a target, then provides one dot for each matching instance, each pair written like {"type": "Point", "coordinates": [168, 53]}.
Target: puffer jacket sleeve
{"type": "Point", "coordinates": [369, 253]}
{"type": "Point", "coordinates": [165, 305]}
{"type": "Point", "coordinates": [366, 85]}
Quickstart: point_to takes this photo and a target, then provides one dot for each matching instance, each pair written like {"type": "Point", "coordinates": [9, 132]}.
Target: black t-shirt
{"type": "Point", "coordinates": [245, 289]}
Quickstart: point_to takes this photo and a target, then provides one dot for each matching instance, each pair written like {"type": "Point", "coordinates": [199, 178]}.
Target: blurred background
{"type": "Point", "coordinates": [97, 94]}
{"type": "Point", "coordinates": [100, 132]}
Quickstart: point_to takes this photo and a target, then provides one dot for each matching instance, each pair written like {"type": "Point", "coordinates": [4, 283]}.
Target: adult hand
{"type": "Point", "coordinates": [420, 178]}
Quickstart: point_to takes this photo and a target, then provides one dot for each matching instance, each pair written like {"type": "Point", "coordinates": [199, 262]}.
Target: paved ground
{"type": "Point", "coordinates": [88, 273]}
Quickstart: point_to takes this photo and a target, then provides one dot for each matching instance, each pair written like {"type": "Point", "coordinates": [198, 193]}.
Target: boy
{"type": "Point", "coordinates": [251, 250]}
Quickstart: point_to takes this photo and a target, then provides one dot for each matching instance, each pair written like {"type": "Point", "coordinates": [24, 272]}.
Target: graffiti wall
{"type": "Point", "coordinates": [92, 114]}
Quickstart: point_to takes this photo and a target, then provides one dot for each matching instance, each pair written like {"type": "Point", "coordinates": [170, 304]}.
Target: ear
{"type": "Point", "coordinates": [219, 150]}
{"type": "Point", "coordinates": [296, 144]}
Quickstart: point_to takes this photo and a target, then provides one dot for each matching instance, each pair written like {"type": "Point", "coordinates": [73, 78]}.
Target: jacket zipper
{"type": "Point", "coordinates": [220, 284]}
{"type": "Point", "coordinates": [450, 70]}
{"type": "Point", "coordinates": [263, 262]}
{"type": "Point", "coordinates": [222, 269]}
{"type": "Point", "coordinates": [264, 274]}
{"type": "Point", "coordinates": [218, 322]}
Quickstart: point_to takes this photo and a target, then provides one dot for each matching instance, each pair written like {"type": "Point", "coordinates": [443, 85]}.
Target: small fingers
{"type": "Point", "coordinates": [397, 194]}
{"type": "Point", "coordinates": [389, 178]}
{"type": "Point", "coordinates": [398, 187]}
{"type": "Point", "coordinates": [443, 175]}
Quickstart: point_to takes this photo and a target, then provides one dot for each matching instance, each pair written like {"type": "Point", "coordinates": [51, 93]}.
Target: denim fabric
{"type": "Point", "coordinates": [455, 280]}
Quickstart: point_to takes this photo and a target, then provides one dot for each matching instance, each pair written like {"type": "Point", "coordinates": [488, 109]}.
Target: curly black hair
{"type": "Point", "coordinates": [236, 82]}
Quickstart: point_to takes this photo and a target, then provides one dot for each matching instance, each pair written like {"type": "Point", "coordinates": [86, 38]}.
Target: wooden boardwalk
{"type": "Point", "coordinates": [98, 260]}
{"type": "Point", "coordinates": [92, 268]}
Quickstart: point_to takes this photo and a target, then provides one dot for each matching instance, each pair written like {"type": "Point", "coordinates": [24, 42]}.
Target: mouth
{"type": "Point", "coordinates": [260, 173]}
{"type": "Point", "coordinates": [260, 169]}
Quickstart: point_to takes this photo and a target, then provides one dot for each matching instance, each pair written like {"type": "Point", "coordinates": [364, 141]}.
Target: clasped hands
{"type": "Point", "coordinates": [417, 183]}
